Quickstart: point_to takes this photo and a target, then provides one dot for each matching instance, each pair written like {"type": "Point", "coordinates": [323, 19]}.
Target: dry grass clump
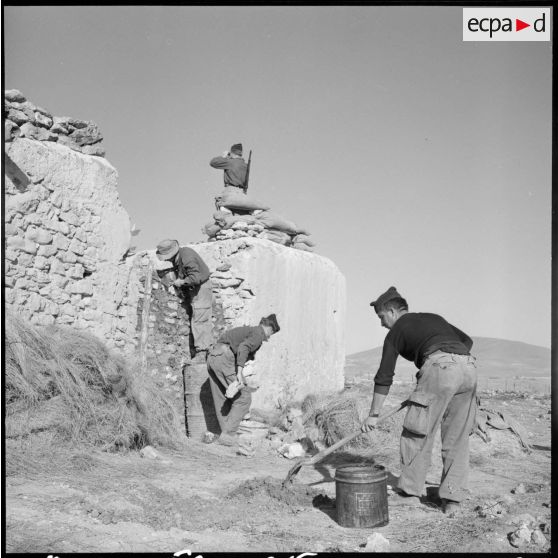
{"type": "Point", "coordinates": [68, 382]}
{"type": "Point", "coordinates": [336, 415]}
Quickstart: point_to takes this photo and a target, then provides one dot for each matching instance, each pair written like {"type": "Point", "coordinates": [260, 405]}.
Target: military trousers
{"type": "Point", "coordinates": [221, 366]}
{"type": "Point", "coordinates": [445, 397]}
{"type": "Point", "coordinates": [199, 303]}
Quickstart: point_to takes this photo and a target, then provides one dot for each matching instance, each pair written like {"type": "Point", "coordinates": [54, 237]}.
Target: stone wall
{"type": "Point", "coordinates": [251, 278]}
{"type": "Point", "coordinates": [68, 261]}
{"type": "Point", "coordinates": [67, 233]}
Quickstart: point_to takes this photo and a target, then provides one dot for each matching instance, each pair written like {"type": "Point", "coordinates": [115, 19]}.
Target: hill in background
{"type": "Point", "coordinates": [496, 358]}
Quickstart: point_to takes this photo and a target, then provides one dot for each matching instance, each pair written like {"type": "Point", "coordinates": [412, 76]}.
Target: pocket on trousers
{"type": "Point", "coordinates": [417, 419]}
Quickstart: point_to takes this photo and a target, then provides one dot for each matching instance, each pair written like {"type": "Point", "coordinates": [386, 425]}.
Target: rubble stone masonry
{"type": "Point", "coordinates": [68, 261]}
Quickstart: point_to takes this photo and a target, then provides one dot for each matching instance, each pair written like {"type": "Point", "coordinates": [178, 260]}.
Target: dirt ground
{"type": "Point", "coordinates": [208, 499]}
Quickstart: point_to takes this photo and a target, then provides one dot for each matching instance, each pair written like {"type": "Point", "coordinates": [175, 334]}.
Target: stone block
{"type": "Point", "coordinates": [92, 315]}
{"type": "Point", "coordinates": [50, 224]}
{"type": "Point", "coordinates": [77, 247]}
{"type": "Point", "coordinates": [56, 266]}
{"type": "Point", "coordinates": [40, 276]}
{"type": "Point", "coordinates": [10, 230]}
{"type": "Point", "coordinates": [11, 130]}
{"type": "Point", "coordinates": [86, 135]}
{"type": "Point", "coordinates": [68, 309]}
{"type": "Point", "coordinates": [59, 296]}
{"type": "Point", "coordinates": [41, 263]}
{"type": "Point", "coordinates": [64, 319]}
{"type": "Point", "coordinates": [43, 120]}
{"type": "Point", "coordinates": [43, 208]}
{"type": "Point", "coordinates": [80, 234]}
{"type": "Point", "coordinates": [28, 130]}
{"type": "Point", "coordinates": [96, 150]}
{"type": "Point", "coordinates": [61, 242]}
{"type": "Point", "coordinates": [35, 303]}
{"type": "Point", "coordinates": [69, 257]}
{"type": "Point", "coordinates": [9, 281]}
{"type": "Point", "coordinates": [70, 217]}
{"type": "Point", "coordinates": [51, 308]}
{"type": "Point", "coordinates": [10, 255]}
{"type": "Point", "coordinates": [17, 116]}
{"type": "Point", "coordinates": [47, 250]}
{"type": "Point", "coordinates": [56, 199]}
{"type": "Point", "coordinates": [43, 237]}
{"type": "Point", "coordinates": [23, 203]}
{"type": "Point", "coordinates": [83, 287]}
{"type": "Point", "coordinates": [14, 96]}
{"type": "Point", "coordinates": [60, 281]}
{"type": "Point", "coordinates": [76, 271]}
{"type": "Point", "coordinates": [9, 295]}
{"type": "Point", "coordinates": [60, 124]}
{"type": "Point", "coordinates": [63, 227]}
{"type": "Point", "coordinates": [90, 264]}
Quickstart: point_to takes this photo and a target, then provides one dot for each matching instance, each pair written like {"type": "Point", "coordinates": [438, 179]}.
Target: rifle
{"type": "Point", "coordinates": [247, 172]}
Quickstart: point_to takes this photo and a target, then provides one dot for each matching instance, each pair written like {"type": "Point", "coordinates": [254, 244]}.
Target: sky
{"type": "Point", "coordinates": [413, 158]}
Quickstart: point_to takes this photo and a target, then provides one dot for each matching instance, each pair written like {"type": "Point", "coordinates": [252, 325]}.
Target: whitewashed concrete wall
{"type": "Point", "coordinates": [307, 293]}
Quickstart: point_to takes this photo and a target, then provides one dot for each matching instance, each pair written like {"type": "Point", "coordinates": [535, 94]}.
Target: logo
{"type": "Point", "coordinates": [506, 24]}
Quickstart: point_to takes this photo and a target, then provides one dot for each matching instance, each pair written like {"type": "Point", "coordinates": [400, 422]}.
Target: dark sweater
{"type": "Point", "coordinates": [191, 267]}
{"type": "Point", "coordinates": [235, 170]}
{"type": "Point", "coordinates": [244, 341]}
{"type": "Point", "coordinates": [414, 336]}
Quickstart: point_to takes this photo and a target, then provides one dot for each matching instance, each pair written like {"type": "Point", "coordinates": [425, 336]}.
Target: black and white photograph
{"type": "Point", "coordinates": [277, 279]}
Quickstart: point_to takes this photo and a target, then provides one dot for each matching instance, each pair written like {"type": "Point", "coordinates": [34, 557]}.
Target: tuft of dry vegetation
{"type": "Point", "coordinates": [67, 386]}
{"type": "Point", "coordinates": [336, 415]}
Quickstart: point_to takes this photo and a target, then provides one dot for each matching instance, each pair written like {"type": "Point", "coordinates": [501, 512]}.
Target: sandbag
{"type": "Point", "coordinates": [238, 200]}
{"type": "Point", "coordinates": [273, 221]}
{"type": "Point", "coordinates": [276, 236]}
{"type": "Point", "coordinates": [220, 217]}
{"type": "Point", "coordinates": [304, 239]}
{"type": "Point", "coordinates": [302, 246]}
{"type": "Point", "coordinates": [211, 229]}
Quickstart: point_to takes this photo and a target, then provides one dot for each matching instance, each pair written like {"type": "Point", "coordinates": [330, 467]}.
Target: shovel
{"type": "Point", "coordinates": [319, 456]}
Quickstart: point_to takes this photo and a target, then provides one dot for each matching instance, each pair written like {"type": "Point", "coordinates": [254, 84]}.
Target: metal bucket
{"type": "Point", "coordinates": [361, 495]}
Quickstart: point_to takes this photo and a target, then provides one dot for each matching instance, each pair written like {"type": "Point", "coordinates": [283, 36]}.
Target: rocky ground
{"type": "Point", "coordinates": [209, 499]}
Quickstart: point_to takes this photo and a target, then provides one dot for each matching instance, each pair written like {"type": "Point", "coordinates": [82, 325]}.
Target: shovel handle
{"type": "Point", "coordinates": [343, 441]}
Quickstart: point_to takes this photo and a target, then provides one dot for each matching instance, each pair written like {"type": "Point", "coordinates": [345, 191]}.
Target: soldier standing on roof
{"type": "Point", "coordinates": [444, 395]}
{"type": "Point", "coordinates": [234, 166]}
{"type": "Point", "coordinates": [193, 286]}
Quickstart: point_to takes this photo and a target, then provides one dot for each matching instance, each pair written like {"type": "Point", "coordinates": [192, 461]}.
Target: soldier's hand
{"type": "Point", "coordinates": [225, 154]}
{"type": "Point", "coordinates": [369, 424]}
{"type": "Point", "coordinates": [178, 282]}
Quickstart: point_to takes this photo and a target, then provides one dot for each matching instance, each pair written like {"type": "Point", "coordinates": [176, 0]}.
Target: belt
{"type": "Point", "coordinates": [453, 356]}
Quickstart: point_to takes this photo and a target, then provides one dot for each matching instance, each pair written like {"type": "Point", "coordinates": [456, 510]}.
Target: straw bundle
{"type": "Point", "coordinates": [68, 382]}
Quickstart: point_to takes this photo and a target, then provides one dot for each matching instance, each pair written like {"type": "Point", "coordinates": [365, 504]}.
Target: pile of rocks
{"type": "Point", "coordinates": [529, 532]}
{"type": "Point", "coordinates": [26, 120]}
{"type": "Point", "coordinates": [240, 216]}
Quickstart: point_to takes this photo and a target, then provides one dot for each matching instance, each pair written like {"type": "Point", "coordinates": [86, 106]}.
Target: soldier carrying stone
{"type": "Point", "coordinates": [230, 379]}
